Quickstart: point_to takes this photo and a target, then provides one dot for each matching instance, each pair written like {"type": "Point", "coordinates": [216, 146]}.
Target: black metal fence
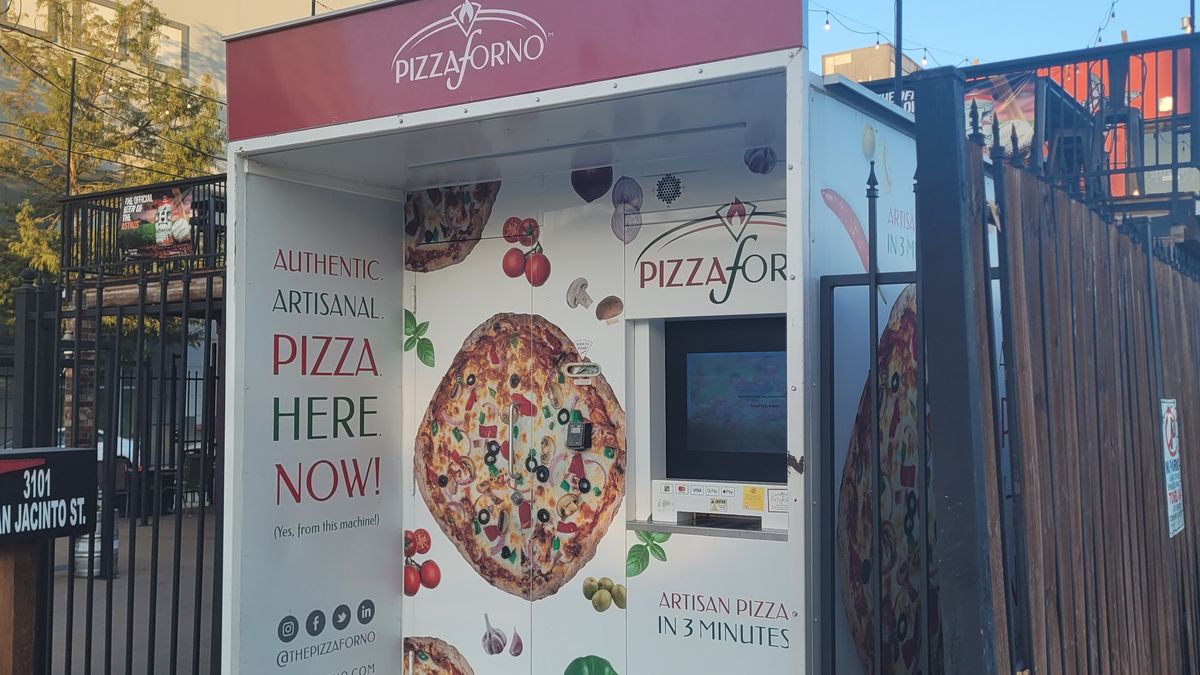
{"type": "Point", "coordinates": [1141, 98]}
{"type": "Point", "coordinates": [7, 394]}
{"type": "Point", "coordinates": [1112, 124]}
{"type": "Point", "coordinates": [125, 354]}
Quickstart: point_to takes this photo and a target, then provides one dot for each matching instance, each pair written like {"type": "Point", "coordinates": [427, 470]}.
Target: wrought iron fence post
{"type": "Point", "coordinates": [32, 367]}
{"type": "Point", "coordinates": [955, 363]}
{"type": "Point", "coordinates": [873, 384]}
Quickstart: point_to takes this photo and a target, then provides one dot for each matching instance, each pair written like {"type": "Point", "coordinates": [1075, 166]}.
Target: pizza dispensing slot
{"type": "Point", "coordinates": [585, 369]}
{"type": "Point", "coordinates": [725, 521]}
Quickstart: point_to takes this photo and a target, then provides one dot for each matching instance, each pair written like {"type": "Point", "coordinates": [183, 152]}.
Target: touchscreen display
{"type": "Point", "coordinates": [736, 401]}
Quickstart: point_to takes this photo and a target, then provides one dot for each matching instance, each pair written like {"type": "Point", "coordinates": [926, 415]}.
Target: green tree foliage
{"type": "Point", "coordinates": [135, 121]}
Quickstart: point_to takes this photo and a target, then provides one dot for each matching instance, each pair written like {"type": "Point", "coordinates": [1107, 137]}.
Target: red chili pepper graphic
{"type": "Point", "coordinates": [845, 213]}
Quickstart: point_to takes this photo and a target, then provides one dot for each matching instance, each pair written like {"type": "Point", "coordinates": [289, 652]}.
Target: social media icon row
{"type": "Point", "coordinates": [315, 622]}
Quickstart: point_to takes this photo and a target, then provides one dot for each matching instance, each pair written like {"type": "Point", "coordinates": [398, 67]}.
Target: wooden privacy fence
{"type": "Point", "coordinates": [1100, 331]}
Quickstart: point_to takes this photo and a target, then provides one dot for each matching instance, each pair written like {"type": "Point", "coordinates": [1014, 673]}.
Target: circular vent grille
{"type": "Point", "coordinates": [669, 188]}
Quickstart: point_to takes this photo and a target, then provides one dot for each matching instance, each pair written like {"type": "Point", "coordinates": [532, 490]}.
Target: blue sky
{"type": "Point", "coordinates": [990, 31]}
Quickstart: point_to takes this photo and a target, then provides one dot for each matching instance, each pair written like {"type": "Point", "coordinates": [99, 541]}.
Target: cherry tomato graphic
{"type": "Point", "coordinates": [537, 268]}
{"type": "Point", "coordinates": [410, 544]}
{"type": "Point", "coordinates": [431, 575]}
{"type": "Point", "coordinates": [529, 232]}
{"type": "Point", "coordinates": [512, 230]}
{"type": "Point", "coordinates": [412, 580]}
{"type": "Point", "coordinates": [422, 541]}
{"type": "Point", "coordinates": [513, 263]}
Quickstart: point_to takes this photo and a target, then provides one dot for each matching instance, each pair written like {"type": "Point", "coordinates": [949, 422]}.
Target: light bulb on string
{"type": "Point", "coordinates": [925, 57]}
{"type": "Point", "coordinates": [877, 41]}
{"type": "Point", "coordinates": [827, 26]}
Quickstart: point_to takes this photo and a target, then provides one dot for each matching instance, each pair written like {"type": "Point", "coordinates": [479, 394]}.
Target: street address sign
{"type": "Point", "coordinates": [47, 492]}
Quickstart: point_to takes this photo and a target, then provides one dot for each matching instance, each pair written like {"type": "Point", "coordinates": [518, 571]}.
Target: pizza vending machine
{"type": "Point", "coordinates": [518, 339]}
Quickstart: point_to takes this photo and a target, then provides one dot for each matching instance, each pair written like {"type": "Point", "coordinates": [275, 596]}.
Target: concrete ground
{"type": "Point", "coordinates": [109, 641]}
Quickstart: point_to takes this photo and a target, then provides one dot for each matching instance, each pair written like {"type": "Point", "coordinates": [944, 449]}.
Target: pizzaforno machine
{"type": "Point", "coordinates": [523, 338]}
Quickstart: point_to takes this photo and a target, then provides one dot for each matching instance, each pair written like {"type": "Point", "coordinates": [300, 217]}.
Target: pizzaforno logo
{"type": "Point", "coordinates": [660, 266]}
{"type": "Point", "coordinates": [493, 38]}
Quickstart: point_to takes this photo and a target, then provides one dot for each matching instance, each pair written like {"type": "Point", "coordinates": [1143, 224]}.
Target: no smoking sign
{"type": "Point", "coordinates": [1171, 461]}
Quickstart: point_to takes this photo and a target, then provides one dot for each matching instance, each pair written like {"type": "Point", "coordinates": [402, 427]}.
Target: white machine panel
{"type": "Point", "coordinates": [768, 502]}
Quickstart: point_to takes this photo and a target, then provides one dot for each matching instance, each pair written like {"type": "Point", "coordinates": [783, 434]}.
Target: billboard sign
{"type": "Point", "coordinates": [156, 225]}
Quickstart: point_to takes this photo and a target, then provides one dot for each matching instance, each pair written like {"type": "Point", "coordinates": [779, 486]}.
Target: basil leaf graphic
{"type": "Point", "coordinates": [645, 537]}
{"type": "Point", "coordinates": [657, 551]}
{"type": "Point", "coordinates": [421, 329]}
{"type": "Point", "coordinates": [425, 351]}
{"type": "Point", "coordinates": [410, 343]}
{"type": "Point", "coordinates": [660, 537]}
{"type": "Point", "coordinates": [410, 322]}
{"type": "Point", "coordinates": [637, 560]}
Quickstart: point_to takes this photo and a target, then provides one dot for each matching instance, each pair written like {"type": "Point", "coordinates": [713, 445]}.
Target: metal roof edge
{"type": "Point", "coordinates": [858, 96]}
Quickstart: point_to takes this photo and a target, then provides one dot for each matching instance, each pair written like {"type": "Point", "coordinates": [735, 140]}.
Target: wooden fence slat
{"type": "Point", "coordinates": [1043, 400]}
{"type": "Point", "coordinates": [1083, 254]}
{"type": "Point", "coordinates": [1022, 290]}
{"type": "Point", "coordinates": [1064, 213]}
{"type": "Point", "coordinates": [1145, 620]}
{"type": "Point", "coordinates": [994, 500]}
{"type": "Point", "coordinates": [1114, 495]}
{"type": "Point", "coordinates": [1108, 591]}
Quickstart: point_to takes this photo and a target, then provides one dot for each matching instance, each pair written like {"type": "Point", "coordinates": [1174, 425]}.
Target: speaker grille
{"type": "Point", "coordinates": [669, 188]}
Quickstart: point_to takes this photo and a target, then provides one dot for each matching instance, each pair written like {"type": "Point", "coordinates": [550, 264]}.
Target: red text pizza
{"type": "Point", "coordinates": [899, 544]}
{"type": "Point", "coordinates": [431, 656]}
{"type": "Point", "coordinates": [443, 225]}
{"type": "Point", "coordinates": [493, 462]}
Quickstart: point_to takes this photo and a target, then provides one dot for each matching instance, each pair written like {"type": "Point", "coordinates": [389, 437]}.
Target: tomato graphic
{"type": "Point", "coordinates": [431, 574]}
{"type": "Point", "coordinates": [512, 230]}
{"type": "Point", "coordinates": [412, 580]}
{"type": "Point", "coordinates": [410, 544]}
{"type": "Point", "coordinates": [537, 268]}
{"type": "Point", "coordinates": [421, 540]}
{"type": "Point", "coordinates": [513, 262]}
{"type": "Point", "coordinates": [529, 232]}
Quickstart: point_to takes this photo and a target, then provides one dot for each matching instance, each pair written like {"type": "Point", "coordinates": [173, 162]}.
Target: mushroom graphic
{"type": "Point", "coordinates": [577, 294]}
{"type": "Point", "coordinates": [609, 309]}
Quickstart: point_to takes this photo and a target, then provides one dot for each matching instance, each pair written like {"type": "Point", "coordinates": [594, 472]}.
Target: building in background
{"type": "Point", "coordinates": [191, 39]}
{"type": "Point", "coordinates": [866, 64]}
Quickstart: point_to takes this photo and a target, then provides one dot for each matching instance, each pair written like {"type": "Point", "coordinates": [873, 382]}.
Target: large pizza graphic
{"type": "Point", "coordinates": [899, 544]}
{"type": "Point", "coordinates": [431, 656]}
{"type": "Point", "coordinates": [493, 462]}
{"type": "Point", "coordinates": [442, 225]}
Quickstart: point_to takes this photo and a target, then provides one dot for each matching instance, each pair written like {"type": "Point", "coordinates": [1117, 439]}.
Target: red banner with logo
{"type": "Point", "coordinates": [408, 56]}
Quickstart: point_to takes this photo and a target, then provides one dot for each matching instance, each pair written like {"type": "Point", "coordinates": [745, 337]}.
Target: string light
{"type": "Point", "coordinates": [925, 57]}
{"type": "Point", "coordinates": [1108, 18]}
{"type": "Point", "coordinates": [879, 36]}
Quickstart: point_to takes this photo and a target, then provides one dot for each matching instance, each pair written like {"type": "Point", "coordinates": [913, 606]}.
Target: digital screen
{"type": "Point", "coordinates": [736, 402]}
